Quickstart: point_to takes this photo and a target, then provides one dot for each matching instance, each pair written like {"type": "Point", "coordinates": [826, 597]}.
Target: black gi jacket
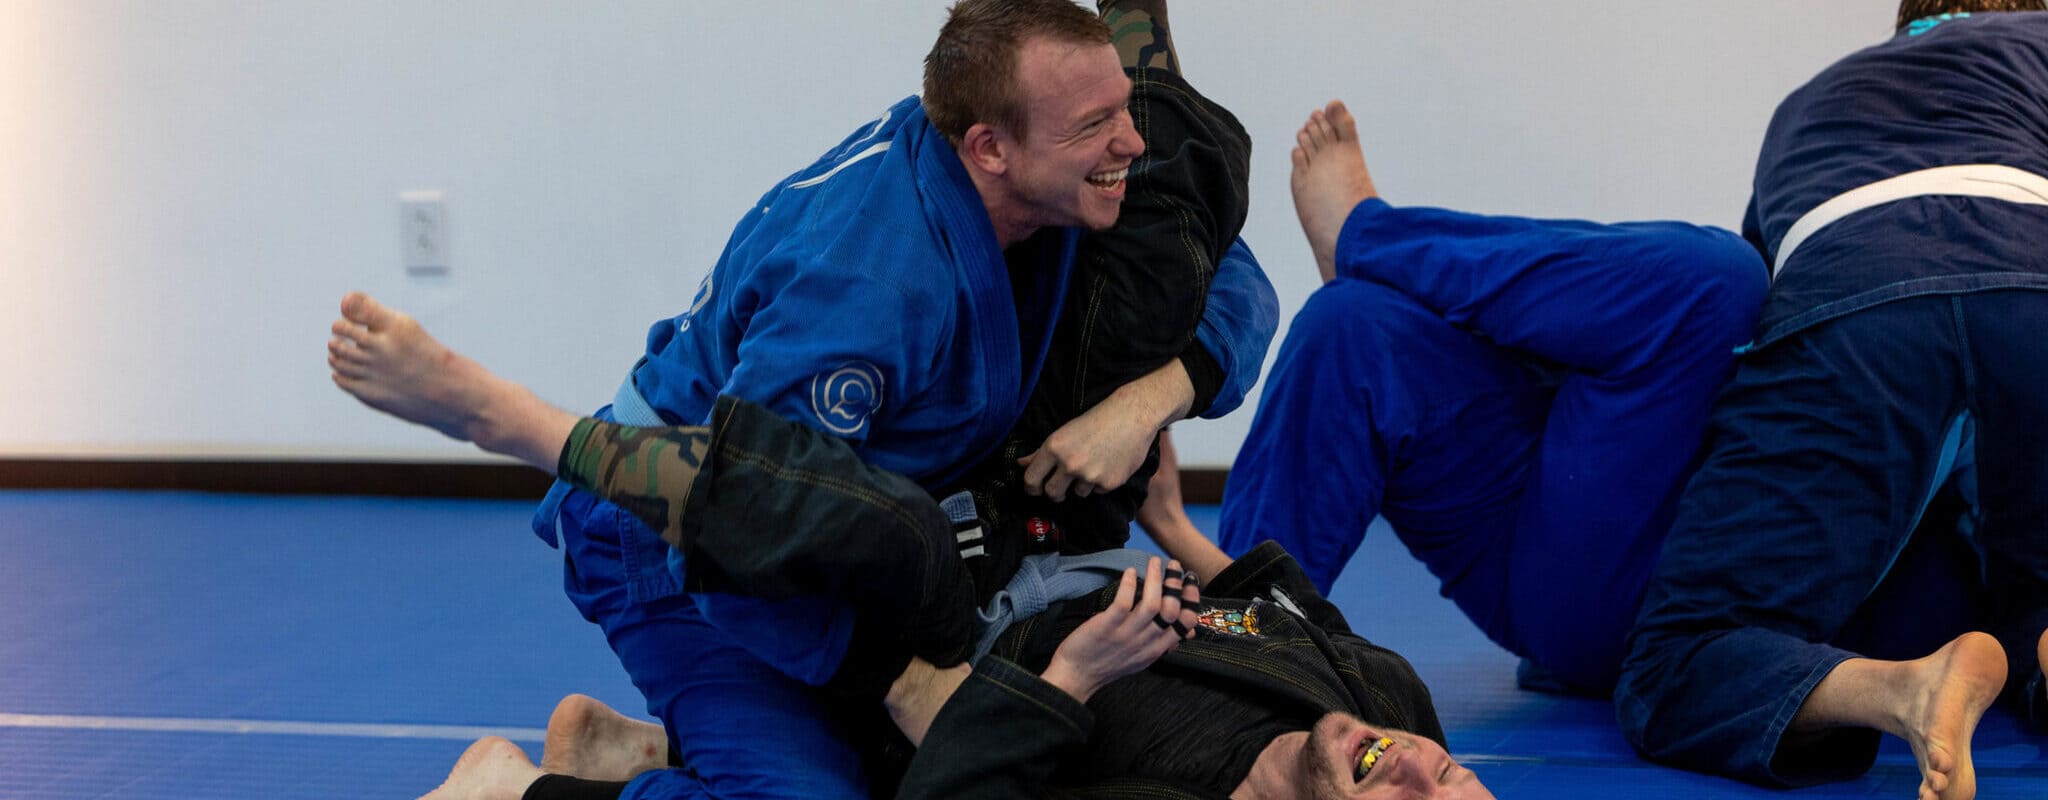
{"type": "Point", "coordinates": [1006, 732]}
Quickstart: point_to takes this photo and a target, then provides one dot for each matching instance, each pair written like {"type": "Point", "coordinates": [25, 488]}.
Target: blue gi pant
{"type": "Point", "coordinates": [744, 729]}
{"type": "Point", "coordinates": [1520, 398]}
{"type": "Point", "coordinates": [1827, 448]}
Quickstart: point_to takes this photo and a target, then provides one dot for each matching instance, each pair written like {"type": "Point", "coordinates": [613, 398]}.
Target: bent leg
{"type": "Point", "coordinates": [1621, 441]}
{"type": "Point", "coordinates": [1824, 456]}
{"type": "Point", "coordinates": [696, 678]}
{"type": "Point", "coordinates": [1373, 405]}
{"type": "Point", "coordinates": [2010, 477]}
{"type": "Point", "coordinates": [1578, 294]}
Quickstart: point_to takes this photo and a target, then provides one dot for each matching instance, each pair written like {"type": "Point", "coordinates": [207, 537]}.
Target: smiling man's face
{"type": "Point", "coordinates": [1326, 764]}
{"type": "Point", "coordinates": [1070, 166]}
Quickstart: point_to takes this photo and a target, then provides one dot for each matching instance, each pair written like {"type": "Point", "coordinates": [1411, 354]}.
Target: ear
{"type": "Point", "coordinates": [986, 148]}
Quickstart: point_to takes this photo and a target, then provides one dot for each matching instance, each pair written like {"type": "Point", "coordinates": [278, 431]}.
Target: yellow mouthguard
{"type": "Point", "coordinates": [1372, 754]}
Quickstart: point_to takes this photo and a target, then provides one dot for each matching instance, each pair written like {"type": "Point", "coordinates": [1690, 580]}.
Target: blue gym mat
{"type": "Point", "coordinates": [178, 645]}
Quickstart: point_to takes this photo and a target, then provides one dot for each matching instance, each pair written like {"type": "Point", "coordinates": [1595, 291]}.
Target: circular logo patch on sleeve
{"type": "Point", "coordinates": [845, 396]}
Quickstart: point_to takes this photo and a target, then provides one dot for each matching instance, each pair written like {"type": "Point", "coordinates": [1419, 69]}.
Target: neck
{"type": "Point", "coordinates": [1273, 774]}
{"type": "Point", "coordinates": [1003, 211]}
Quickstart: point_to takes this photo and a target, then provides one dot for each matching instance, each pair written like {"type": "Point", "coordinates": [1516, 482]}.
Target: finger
{"type": "Point", "coordinates": [1083, 488]}
{"type": "Point", "coordinates": [1056, 486]}
{"type": "Point", "coordinates": [1126, 590]}
{"type": "Point", "coordinates": [1035, 470]}
{"type": "Point", "coordinates": [1169, 590]}
{"type": "Point", "coordinates": [1150, 600]}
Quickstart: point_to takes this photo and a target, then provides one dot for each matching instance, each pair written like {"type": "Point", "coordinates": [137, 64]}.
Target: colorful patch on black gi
{"type": "Point", "coordinates": [1231, 621]}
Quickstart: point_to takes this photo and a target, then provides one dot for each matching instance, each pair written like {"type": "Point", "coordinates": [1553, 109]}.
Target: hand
{"type": "Point", "coordinates": [1138, 627]}
{"type": "Point", "coordinates": [1099, 450]}
{"type": "Point", "coordinates": [1093, 453]}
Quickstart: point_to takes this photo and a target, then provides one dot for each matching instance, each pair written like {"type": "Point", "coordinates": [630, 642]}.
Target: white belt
{"type": "Point", "coordinates": [1974, 180]}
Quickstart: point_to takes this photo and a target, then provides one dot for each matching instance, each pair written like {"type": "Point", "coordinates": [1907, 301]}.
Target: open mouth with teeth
{"type": "Point", "coordinates": [1111, 180]}
{"type": "Point", "coordinates": [1371, 756]}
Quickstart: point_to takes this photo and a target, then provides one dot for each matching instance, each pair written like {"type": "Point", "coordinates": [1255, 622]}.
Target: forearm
{"type": "Point", "coordinates": [916, 696]}
{"type": "Point", "coordinates": [1176, 533]}
{"type": "Point", "coordinates": [1159, 398]}
{"type": "Point", "coordinates": [1000, 734]}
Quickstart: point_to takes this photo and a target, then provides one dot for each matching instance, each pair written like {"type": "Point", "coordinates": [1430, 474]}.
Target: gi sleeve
{"type": "Point", "coordinates": [832, 348]}
{"type": "Point", "coordinates": [999, 736]}
{"type": "Point", "coordinates": [1237, 327]}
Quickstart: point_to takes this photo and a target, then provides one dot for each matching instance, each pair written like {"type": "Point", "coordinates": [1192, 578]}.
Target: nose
{"type": "Point", "coordinates": [1417, 773]}
{"type": "Point", "coordinates": [1127, 144]}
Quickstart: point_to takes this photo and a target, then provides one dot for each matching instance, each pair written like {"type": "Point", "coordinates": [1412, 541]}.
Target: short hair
{"type": "Point", "coordinates": [970, 75]}
{"type": "Point", "coordinates": [1910, 10]}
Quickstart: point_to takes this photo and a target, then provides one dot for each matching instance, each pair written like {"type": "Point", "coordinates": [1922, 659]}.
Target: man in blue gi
{"type": "Point", "coordinates": [950, 221]}
{"type": "Point", "coordinates": [1897, 372]}
{"type": "Point", "coordinates": [1520, 398]}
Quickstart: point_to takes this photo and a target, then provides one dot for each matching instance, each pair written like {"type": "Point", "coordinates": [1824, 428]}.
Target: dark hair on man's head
{"type": "Point", "coordinates": [970, 75]}
{"type": "Point", "coordinates": [1910, 10]}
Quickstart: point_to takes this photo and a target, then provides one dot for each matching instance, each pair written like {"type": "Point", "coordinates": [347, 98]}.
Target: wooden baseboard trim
{"type": "Point", "coordinates": [392, 479]}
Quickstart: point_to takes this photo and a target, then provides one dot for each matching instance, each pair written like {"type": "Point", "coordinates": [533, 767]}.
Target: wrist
{"type": "Point", "coordinates": [1163, 396]}
{"type": "Point", "coordinates": [1067, 679]}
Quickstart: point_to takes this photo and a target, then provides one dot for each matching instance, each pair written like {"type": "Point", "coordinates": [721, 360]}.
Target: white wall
{"type": "Point", "coordinates": [187, 187]}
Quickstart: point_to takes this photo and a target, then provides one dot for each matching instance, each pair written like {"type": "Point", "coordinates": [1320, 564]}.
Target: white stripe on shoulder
{"type": "Point", "coordinates": [873, 150]}
{"type": "Point", "coordinates": [877, 127]}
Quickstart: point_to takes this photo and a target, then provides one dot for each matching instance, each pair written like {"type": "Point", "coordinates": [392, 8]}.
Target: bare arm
{"type": "Point", "coordinates": [1164, 517]}
{"type": "Point", "coordinates": [1100, 449]}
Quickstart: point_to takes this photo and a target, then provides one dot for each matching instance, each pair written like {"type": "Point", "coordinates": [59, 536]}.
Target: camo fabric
{"type": "Point", "coordinates": [646, 471]}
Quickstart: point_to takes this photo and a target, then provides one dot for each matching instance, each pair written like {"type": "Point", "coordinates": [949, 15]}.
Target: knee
{"type": "Point", "coordinates": [1353, 311]}
{"type": "Point", "coordinates": [1725, 282]}
{"type": "Point", "coordinates": [1349, 335]}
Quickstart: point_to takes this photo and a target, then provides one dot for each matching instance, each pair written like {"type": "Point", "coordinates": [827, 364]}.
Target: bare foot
{"type": "Point", "coordinates": [1329, 180]}
{"type": "Point", "coordinates": [588, 739]}
{"type": "Point", "coordinates": [384, 358]}
{"type": "Point", "coordinates": [2040, 665]}
{"type": "Point", "coordinates": [491, 769]}
{"type": "Point", "coordinates": [1944, 695]}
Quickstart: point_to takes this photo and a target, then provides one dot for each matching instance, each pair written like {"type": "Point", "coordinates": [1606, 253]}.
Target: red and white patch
{"type": "Point", "coordinates": [1042, 531]}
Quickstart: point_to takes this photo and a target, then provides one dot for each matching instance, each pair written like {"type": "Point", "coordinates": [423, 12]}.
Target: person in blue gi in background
{"type": "Point", "coordinates": [1520, 398]}
{"type": "Point", "coordinates": [900, 294]}
{"type": "Point", "coordinates": [1866, 546]}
